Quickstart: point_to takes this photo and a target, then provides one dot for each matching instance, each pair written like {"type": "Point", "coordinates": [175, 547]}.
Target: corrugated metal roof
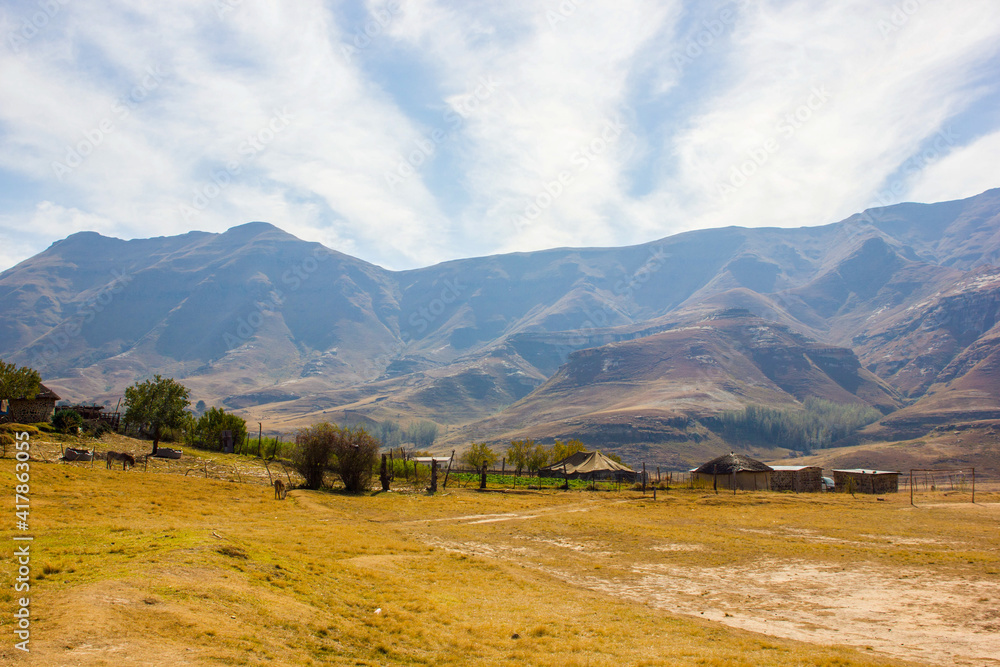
{"type": "Point", "coordinates": [430, 459]}
{"type": "Point", "coordinates": [861, 471]}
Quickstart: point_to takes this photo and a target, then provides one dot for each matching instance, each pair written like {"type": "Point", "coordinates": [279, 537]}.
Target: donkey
{"type": "Point", "coordinates": [126, 459]}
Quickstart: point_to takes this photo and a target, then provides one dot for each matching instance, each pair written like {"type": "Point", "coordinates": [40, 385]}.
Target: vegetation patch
{"type": "Point", "coordinates": [819, 424]}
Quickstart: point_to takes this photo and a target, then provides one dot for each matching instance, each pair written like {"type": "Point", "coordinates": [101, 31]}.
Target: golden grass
{"type": "Point", "coordinates": [159, 569]}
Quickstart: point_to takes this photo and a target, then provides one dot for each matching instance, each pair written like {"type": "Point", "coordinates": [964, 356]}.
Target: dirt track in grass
{"type": "Point", "coordinates": [155, 566]}
{"type": "Point", "coordinates": [916, 595]}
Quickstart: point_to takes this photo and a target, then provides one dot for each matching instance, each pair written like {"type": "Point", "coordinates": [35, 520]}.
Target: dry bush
{"type": "Point", "coordinates": [356, 453]}
{"type": "Point", "coordinates": [312, 452]}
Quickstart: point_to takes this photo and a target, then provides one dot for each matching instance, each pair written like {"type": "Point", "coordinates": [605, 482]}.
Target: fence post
{"type": "Point", "coordinates": [448, 471]}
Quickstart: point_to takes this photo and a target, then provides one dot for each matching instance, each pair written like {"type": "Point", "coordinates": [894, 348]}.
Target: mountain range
{"type": "Point", "coordinates": [631, 348]}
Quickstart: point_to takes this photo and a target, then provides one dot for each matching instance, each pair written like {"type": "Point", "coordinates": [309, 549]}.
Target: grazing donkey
{"type": "Point", "coordinates": [126, 459]}
{"type": "Point", "coordinates": [279, 490]}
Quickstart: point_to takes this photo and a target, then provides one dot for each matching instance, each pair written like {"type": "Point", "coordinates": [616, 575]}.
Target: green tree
{"type": "Point", "coordinates": [388, 432]}
{"type": "Point", "coordinates": [479, 454]}
{"type": "Point", "coordinates": [819, 423]}
{"type": "Point", "coordinates": [17, 382]}
{"type": "Point", "coordinates": [561, 450]}
{"type": "Point", "coordinates": [537, 456]}
{"type": "Point", "coordinates": [210, 426]}
{"type": "Point", "coordinates": [422, 434]}
{"type": "Point", "coordinates": [67, 420]}
{"type": "Point", "coordinates": [517, 454]}
{"type": "Point", "coordinates": [156, 405]}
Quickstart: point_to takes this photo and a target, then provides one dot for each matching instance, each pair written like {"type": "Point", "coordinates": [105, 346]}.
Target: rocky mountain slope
{"type": "Point", "coordinates": [902, 299]}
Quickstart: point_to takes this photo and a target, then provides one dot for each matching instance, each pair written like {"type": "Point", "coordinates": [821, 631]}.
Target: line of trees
{"type": "Point", "coordinates": [820, 424]}
{"type": "Point", "coordinates": [421, 434]}
{"type": "Point", "coordinates": [524, 455]}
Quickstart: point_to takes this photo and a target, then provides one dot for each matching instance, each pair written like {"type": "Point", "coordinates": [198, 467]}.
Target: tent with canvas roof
{"type": "Point", "coordinates": [589, 466]}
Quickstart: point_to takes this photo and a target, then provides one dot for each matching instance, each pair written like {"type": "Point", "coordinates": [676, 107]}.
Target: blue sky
{"type": "Point", "coordinates": [412, 132]}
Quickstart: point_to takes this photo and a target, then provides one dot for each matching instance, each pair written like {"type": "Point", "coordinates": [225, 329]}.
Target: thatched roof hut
{"type": "Point", "coordinates": [735, 471]}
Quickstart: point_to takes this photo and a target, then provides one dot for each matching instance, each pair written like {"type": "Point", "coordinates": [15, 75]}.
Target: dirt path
{"type": "Point", "coordinates": [913, 614]}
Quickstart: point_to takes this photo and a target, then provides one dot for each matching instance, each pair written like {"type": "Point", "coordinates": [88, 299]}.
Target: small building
{"type": "Point", "coordinates": [800, 479]}
{"type": "Point", "coordinates": [867, 481]}
{"type": "Point", "coordinates": [33, 410]}
{"type": "Point", "coordinates": [735, 471]}
{"type": "Point", "coordinates": [97, 413]}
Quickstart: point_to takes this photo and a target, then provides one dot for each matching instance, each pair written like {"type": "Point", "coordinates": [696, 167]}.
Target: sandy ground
{"type": "Point", "coordinates": [912, 614]}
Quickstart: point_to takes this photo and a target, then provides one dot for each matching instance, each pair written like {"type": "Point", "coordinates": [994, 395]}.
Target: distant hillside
{"type": "Point", "coordinates": [895, 307]}
{"type": "Point", "coordinates": [656, 388]}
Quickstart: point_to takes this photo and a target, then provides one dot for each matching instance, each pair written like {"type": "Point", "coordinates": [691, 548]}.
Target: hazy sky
{"type": "Point", "coordinates": [410, 132]}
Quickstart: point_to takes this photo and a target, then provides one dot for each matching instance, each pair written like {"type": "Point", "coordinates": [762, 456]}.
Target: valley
{"type": "Point", "coordinates": [631, 349]}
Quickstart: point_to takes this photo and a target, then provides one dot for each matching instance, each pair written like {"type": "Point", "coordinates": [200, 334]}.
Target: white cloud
{"type": "Point", "coordinates": [824, 109]}
{"type": "Point", "coordinates": [288, 112]}
{"type": "Point", "coordinates": [964, 172]}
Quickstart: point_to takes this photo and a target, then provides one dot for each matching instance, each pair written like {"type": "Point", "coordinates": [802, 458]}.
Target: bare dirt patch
{"type": "Point", "coordinates": [940, 613]}
{"type": "Point", "coordinates": [910, 615]}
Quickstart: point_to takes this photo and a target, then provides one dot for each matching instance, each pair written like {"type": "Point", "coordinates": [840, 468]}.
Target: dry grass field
{"type": "Point", "coordinates": [159, 567]}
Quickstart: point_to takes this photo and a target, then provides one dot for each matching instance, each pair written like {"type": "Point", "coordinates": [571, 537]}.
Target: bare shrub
{"type": "Point", "coordinates": [356, 453]}
{"type": "Point", "coordinates": [351, 453]}
{"type": "Point", "coordinates": [312, 451]}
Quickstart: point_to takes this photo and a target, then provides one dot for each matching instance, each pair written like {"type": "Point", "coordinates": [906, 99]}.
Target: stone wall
{"type": "Point", "coordinates": [864, 482]}
{"type": "Point", "coordinates": [806, 480]}
{"type": "Point", "coordinates": [24, 411]}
